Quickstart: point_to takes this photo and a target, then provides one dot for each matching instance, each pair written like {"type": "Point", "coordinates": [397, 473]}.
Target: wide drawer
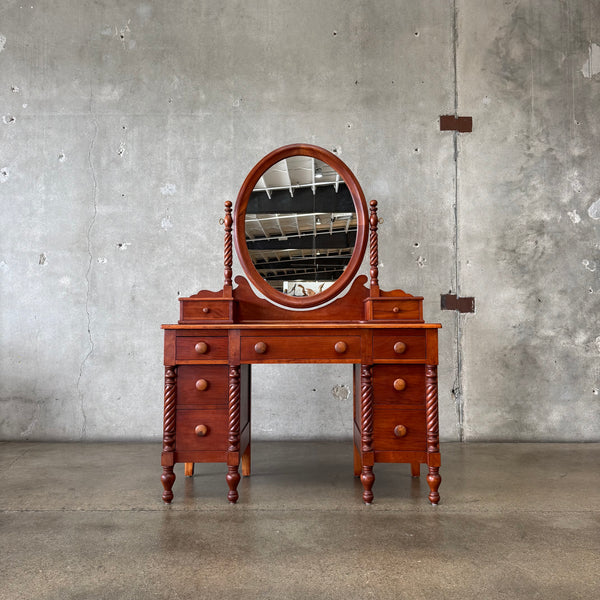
{"type": "Point", "coordinates": [198, 430]}
{"type": "Point", "coordinates": [201, 347]}
{"type": "Point", "coordinates": [399, 344]}
{"type": "Point", "coordinates": [342, 348]}
{"type": "Point", "coordinates": [399, 429]}
{"type": "Point", "coordinates": [202, 385]}
{"type": "Point", "coordinates": [399, 385]}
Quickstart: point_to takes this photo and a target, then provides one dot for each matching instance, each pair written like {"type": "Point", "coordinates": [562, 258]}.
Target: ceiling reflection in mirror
{"type": "Point", "coordinates": [300, 226]}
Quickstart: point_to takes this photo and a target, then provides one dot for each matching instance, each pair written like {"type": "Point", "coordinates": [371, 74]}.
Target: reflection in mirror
{"type": "Point", "coordinates": [300, 226]}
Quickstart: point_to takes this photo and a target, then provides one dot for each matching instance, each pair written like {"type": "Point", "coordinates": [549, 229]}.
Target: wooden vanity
{"type": "Point", "coordinates": [301, 225]}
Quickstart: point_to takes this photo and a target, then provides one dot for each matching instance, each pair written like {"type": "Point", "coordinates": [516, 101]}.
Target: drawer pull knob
{"type": "Point", "coordinates": [399, 384]}
{"type": "Point", "coordinates": [396, 309]}
{"type": "Point", "coordinates": [399, 347]}
{"type": "Point", "coordinates": [260, 347]}
{"type": "Point", "coordinates": [400, 431]}
{"type": "Point", "coordinates": [341, 347]}
{"type": "Point", "coordinates": [201, 347]}
{"type": "Point", "coordinates": [201, 430]}
{"type": "Point", "coordinates": [206, 310]}
{"type": "Point", "coordinates": [201, 385]}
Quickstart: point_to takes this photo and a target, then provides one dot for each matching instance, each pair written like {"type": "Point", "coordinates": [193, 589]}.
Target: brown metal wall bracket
{"type": "Point", "coordinates": [453, 302]}
{"type": "Point", "coordinates": [452, 123]}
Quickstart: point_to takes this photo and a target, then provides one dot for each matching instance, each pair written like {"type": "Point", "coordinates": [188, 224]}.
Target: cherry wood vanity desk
{"type": "Point", "coordinates": [209, 353]}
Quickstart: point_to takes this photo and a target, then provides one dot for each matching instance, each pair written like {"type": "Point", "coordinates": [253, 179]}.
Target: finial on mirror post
{"type": "Point", "coordinates": [373, 249]}
{"type": "Point", "coordinates": [228, 254]}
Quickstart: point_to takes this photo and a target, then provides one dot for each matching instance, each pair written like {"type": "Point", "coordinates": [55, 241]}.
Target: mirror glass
{"type": "Point", "coordinates": [300, 226]}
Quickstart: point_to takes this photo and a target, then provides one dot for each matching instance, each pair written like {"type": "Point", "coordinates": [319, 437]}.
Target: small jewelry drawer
{"type": "Point", "coordinates": [198, 430]}
{"type": "Point", "coordinates": [202, 385]}
{"type": "Point", "coordinates": [400, 344]}
{"type": "Point", "coordinates": [399, 429]}
{"type": "Point", "coordinates": [342, 348]}
{"type": "Point", "coordinates": [395, 385]}
{"type": "Point", "coordinates": [201, 348]}
{"type": "Point", "coordinates": [408, 308]}
{"type": "Point", "coordinates": [206, 310]}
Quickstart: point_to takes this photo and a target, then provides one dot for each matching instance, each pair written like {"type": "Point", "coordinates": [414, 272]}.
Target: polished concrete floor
{"type": "Point", "coordinates": [86, 521]}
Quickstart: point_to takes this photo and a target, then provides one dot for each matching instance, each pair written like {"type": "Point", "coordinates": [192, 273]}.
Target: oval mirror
{"type": "Point", "coordinates": [300, 226]}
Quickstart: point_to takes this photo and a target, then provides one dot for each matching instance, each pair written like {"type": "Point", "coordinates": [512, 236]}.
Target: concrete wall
{"type": "Point", "coordinates": [126, 125]}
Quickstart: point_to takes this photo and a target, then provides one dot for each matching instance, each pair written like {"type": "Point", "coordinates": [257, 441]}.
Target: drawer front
{"type": "Point", "coordinates": [401, 344]}
{"type": "Point", "coordinates": [395, 385]}
{"type": "Point", "coordinates": [397, 309]}
{"type": "Point", "coordinates": [198, 430]}
{"type": "Point", "coordinates": [343, 348]}
{"type": "Point", "coordinates": [202, 385]}
{"type": "Point", "coordinates": [205, 310]}
{"type": "Point", "coordinates": [398, 429]}
{"type": "Point", "coordinates": [197, 347]}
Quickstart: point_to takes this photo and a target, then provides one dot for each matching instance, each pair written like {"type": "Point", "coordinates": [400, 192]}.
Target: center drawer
{"type": "Point", "coordinates": [308, 348]}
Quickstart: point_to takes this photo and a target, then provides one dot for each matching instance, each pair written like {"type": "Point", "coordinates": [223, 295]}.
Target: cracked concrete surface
{"type": "Point", "coordinates": [155, 115]}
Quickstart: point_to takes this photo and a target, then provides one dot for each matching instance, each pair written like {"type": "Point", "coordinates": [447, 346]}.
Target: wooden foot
{"type": "Point", "coordinates": [434, 479]}
{"type": "Point", "coordinates": [415, 469]}
{"type": "Point", "coordinates": [367, 479]}
{"type": "Point", "coordinates": [246, 461]}
{"type": "Point", "coordinates": [233, 478]}
{"type": "Point", "coordinates": [168, 479]}
{"type": "Point", "coordinates": [357, 462]}
{"type": "Point", "coordinates": [189, 469]}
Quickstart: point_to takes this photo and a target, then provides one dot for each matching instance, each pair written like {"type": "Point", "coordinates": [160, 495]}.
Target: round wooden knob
{"type": "Point", "coordinates": [260, 347]}
{"type": "Point", "coordinates": [396, 309]}
{"type": "Point", "coordinates": [201, 347]}
{"type": "Point", "coordinates": [201, 430]}
{"type": "Point", "coordinates": [399, 384]}
{"type": "Point", "coordinates": [201, 385]}
{"type": "Point", "coordinates": [341, 347]}
{"type": "Point", "coordinates": [400, 431]}
{"type": "Point", "coordinates": [206, 310]}
{"type": "Point", "coordinates": [399, 347]}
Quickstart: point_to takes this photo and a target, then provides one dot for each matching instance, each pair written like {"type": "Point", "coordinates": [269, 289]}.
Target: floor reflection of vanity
{"type": "Point", "coordinates": [300, 226]}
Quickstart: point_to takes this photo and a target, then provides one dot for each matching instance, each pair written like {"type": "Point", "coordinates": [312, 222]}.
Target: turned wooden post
{"type": "Point", "coordinates": [433, 442]}
{"type": "Point", "coordinates": [367, 477]}
{"type": "Point", "coordinates": [233, 456]}
{"type": "Point", "coordinates": [168, 476]}
{"type": "Point", "coordinates": [228, 253]}
{"type": "Point", "coordinates": [374, 249]}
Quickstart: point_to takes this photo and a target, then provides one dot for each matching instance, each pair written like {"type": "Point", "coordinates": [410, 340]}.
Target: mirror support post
{"type": "Point", "coordinates": [374, 249]}
{"type": "Point", "coordinates": [228, 253]}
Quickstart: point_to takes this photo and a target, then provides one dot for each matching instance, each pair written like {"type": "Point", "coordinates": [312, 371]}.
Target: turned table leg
{"type": "Point", "coordinates": [434, 479]}
{"type": "Point", "coordinates": [367, 477]}
{"type": "Point", "coordinates": [233, 451]}
{"type": "Point", "coordinates": [433, 437]}
{"type": "Point", "coordinates": [168, 476]}
{"type": "Point", "coordinates": [246, 461]}
{"type": "Point", "coordinates": [168, 479]}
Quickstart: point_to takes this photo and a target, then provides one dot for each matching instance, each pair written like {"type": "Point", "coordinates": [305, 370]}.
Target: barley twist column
{"type": "Point", "coordinates": [366, 420]}
{"type": "Point", "coordinates": [228, 254]}
{"type": "Point", "coordinates": [168, 476]}
{"type": "Point", "coordinates": [433, 442]}
{"type": "Point", "coordinates": [233, 476]}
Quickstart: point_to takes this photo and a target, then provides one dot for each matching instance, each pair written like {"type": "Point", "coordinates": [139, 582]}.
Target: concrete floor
{"type": "Point", "coordinates": [86, 521]}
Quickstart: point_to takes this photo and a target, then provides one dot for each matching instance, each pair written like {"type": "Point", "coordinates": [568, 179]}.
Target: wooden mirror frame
{"type": "Point", "coordinates": [239, 221]}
